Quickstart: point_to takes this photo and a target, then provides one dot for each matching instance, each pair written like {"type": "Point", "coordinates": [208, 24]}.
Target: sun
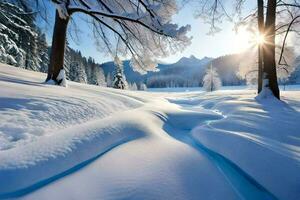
{"type": "Point", "coordinates": [260, 39]}
{"type": "Point", "coordinates": [245, 40]}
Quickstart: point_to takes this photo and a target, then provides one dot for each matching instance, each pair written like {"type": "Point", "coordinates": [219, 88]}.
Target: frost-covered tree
{"type": "Point", "coordinates": [97, 75]}
{"type": "Point", "coordinates": [119, 81]}
{"type": "Point", "coordinates": [77, 72]}
{"type": "Point", "coordinates": [21, 42]}
{"type": "Point", "coordinates": [143, 28]}
{"type": "Point", "coordinates": [211, 80]}
{"type": "Point", "coordinates": [69, 56]}
{"type": "Point", "coordinates": [42, 50]}
{"type": "Point", "coordinates": [80, 69]}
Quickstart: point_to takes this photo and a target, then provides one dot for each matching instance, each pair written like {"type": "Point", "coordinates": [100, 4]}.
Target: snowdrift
{"type": "Point", "coordinates": [116, 144]}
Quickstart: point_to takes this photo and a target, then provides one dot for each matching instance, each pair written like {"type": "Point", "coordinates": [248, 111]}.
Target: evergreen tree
{"type": "Point", "coordinates": [21, 43]}
{"type": "Point", "coordinates": [97, 75]}
{"type": "Point", "coordinates": [119, 81]}
{"type": "Point", "coordinates": [100, 76]}
{"type": "Point", "coordinates": [90, 70]}
{"type": "Point", "coordinates": [77, 72]}
{"type": "Point", "coordinates": [42, 49]}
{"type": "Point", "coordinates": [68, 60]}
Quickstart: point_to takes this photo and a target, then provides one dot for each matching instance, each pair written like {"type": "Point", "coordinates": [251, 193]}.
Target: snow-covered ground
{"type": "Point", "coordinates": [89, 142]}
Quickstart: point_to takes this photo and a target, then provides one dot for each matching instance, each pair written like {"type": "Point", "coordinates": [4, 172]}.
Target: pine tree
{"type": "Point", "coordinates": [21, 42]}
{"type": "Point", "coordinates": [77, 68]}
{"type": "Point", "coordinates": [100, 76]}
{"type": "Point", "coordinates": [97, 75]}
{"type": "Point", "coordinates": [42, 49]}
{"type": "Point", "coordinates": [68, 60]}
{"type": "Point", "coordinates": [119, 81]}
{"type": "Point", "coordinates": [91, 71]}
{"type": "Point", "coordinates": [77, 72]}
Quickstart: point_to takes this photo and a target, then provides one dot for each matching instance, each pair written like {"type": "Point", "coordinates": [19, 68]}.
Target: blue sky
{"type": "Point", "coordinates": [202, 45]}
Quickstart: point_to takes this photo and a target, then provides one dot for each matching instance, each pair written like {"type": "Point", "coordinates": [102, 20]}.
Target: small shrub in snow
{"type": "Point", "coordinates": [211, 80]}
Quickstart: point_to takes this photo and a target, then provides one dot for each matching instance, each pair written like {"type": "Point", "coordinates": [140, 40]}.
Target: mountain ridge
{"type": "Point", "coordinates": [186, 72]}
{"type": "Point", "coordinates": [186, 65]}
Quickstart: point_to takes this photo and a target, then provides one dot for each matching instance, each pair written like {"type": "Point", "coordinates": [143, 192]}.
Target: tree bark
{"type": "Point", "coordinates": [269, 68]}
{"type": "Point", "coordinates": [58, 47]}
{"type": "Point", "coordinates": [260, 19]}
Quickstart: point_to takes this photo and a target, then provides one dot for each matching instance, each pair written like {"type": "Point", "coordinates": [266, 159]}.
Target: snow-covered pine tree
{"type": "Point", "coordinates": [89, 70]}
{"type": "Point", "coordinates": [119, 81]}
{"type": "Point", "coordinates": [77, 72]}
{"type": "Point", "coordinates": [77, 68]}
{"type": "Point", "coordinates": [42, 49]}
{"type": "Point", "coordinates": [68, 60]}
{"type": "Point", "coordinates": [211, 80]}
{"type": "Point", "coordinates": [80, 69]}
{"type": "Point", "coordinates": [10, 51]}
{"type": "Point", "coordinates": [97, 75]}
{"type": "Point", "coordinates": [21, 42]}
{"type": "Point", "coordinates": [100, 76]}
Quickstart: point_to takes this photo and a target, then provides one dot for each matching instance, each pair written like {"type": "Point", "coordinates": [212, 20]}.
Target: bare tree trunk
{"type": "Point", "coordinates": [58, 47]}
{"type": "Point", "coordinates": [269, 68]}
{"type": "Point", "coordinates": [260, 19]}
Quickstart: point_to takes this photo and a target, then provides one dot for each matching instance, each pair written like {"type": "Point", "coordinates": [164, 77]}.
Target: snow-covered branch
{"type": "Point", "coordinates": [143, 27]}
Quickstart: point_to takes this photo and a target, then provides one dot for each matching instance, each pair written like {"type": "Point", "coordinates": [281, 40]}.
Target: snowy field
{"type": "Point", "coordinates": [199, 89]}
{"type": "Point", "coordinates": [89, 142]}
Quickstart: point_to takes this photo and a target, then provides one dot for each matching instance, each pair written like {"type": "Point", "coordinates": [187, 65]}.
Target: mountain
{"type": "Point", "coordinates": [187, 71]}
{"type": "Point", "coordinates": [192, 61]}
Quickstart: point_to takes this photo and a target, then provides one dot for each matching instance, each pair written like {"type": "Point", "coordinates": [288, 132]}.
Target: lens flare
{"type": "Point", "coordinates": [260, 39]}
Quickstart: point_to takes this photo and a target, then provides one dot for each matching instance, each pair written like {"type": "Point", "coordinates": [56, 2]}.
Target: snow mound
{"type": "Point", "coordinates": [258, 135]}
